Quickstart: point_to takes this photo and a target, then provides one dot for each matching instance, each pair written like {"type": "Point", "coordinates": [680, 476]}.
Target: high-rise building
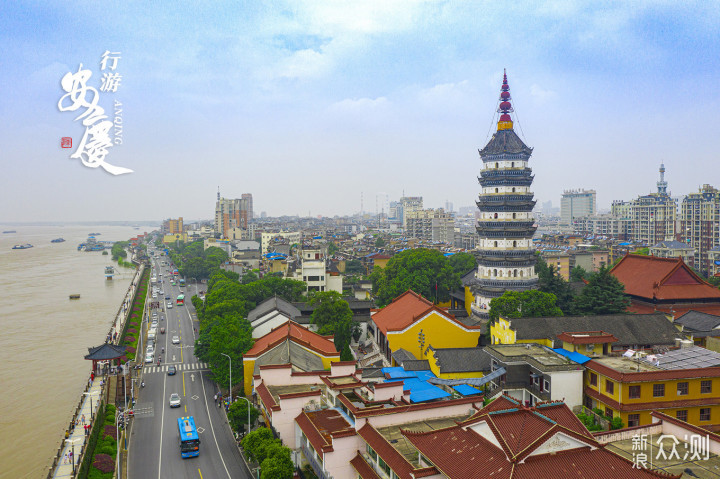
{"type": "Point", "coordinates": [506, 256]}
{"type": "Point", "coordinates": [171, 226]}
{"type": "Point", "coordinates": [431, 225]}
{"type": "Point", "coordinates": [232, 213]}
{"type": "Point", "coordinates": [700, 223]}
{"type": "Point", "coordinates": [576, 204]}
{"type": "Point", "coordinates": [410, 203]}
{"type": "Point", "coordinates": [653, 216]}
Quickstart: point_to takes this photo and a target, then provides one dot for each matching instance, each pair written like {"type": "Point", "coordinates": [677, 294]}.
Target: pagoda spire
{"type": "Point", "coordinates": [505, 122]}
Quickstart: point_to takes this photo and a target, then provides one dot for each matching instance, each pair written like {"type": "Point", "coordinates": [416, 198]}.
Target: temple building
{"type": "Point", "coordinates": [506, 258]}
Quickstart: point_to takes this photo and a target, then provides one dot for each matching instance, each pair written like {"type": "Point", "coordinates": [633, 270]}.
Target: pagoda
{"type": "Point", "coordinates": [505, 253]}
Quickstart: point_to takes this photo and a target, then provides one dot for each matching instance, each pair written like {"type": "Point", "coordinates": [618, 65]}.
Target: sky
{"type": "Point", "coordinates": [311, 105]}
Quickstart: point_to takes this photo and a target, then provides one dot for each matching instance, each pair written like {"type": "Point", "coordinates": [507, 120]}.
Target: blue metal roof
{"type": "Point", "coordinates": [466, 390]}
{"type": "Point", "coordinates": [573, 356]}
{"type": "Point", "coordinates": [428, 394]}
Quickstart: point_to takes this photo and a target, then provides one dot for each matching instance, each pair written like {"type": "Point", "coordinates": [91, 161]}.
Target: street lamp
{"type": "Point", "coordinates": [118, 470]}
{"type": "Point", "coordinates": [90, 395]}
{"type": "Point", "coordinates": [73, 441]}
{"type": "Point", "coordinates": [248, 408]}
{"type": "Point", "coordinates": [230, 360]}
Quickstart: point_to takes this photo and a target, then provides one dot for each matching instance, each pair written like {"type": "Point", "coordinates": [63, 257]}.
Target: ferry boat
{"type": "Point", "coordinates": [22, 246]}
{"type": "Point", "coordinates": [58, 240]}
{"type": "Point", "coordinates": [94, 234]}
{"type": "Point", "coordinates": [9, 231]}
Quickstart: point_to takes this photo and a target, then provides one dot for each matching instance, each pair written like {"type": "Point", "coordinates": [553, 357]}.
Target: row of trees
{"type": "Point", "coordinates": [426, 271]}
{"type": "Point", "coordinates": [273, 457]}
{"type": "Point", "coordinates": [224, 328]}
{"type": "Point", "coordinates": [194, 261]}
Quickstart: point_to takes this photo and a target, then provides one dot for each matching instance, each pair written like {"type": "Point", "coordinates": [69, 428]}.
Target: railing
{"type": "Point", "coordinates": [317, 467]}
{"type": "Point", "coordinates": [505, 172]}
{"type": "Point", "coordinates": [508, 283]}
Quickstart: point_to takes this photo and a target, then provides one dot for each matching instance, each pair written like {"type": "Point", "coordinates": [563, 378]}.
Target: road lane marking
{"type": "Point", "coordinates": [207, 408]}
{"type": "Point", "coordinates": [183, 376]}
{"type": "Point", "coordinates": [199, 472]}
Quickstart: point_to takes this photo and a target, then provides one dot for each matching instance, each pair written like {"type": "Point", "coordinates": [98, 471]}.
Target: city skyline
{"type": "Point", "coordinates": [306, 105]}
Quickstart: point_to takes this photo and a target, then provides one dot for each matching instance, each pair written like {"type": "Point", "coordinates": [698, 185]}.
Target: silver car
{"type": "Point", "coordinates": [174, 400]}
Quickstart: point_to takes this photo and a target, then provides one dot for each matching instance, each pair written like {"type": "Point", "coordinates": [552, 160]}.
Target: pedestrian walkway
{"type": "Point", "coordinates": [76, 442]}
{"type": "Point", "coordinates": [179, 366]}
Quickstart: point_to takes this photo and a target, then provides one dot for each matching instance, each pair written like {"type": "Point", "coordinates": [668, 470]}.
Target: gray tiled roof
{"type": "Point", "coordinates": [672, 245]}
{"type": "Point", "coordinates": [461, 360]}
{"type": "Point", "coordinates": [505, 141]}
{"type": "Point", "coordinates": [416, 365]}
{"type": "Point", "coordinates": [699, 321]}
{"type": "Point", "coordinates": [630, 329]}
{"type": "Point", "coordinates": [271, 304]}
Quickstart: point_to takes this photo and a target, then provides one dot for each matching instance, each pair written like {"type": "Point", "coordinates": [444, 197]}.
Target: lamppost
{"type": "Point", "coordinates": [118, 470]}
{"type": "Point", "coordinates": [248, 408]}
{"type": "Point", "coordinates": [73, 441]}
{"type": "Point", "coordinates": [90, 395]}
{"type": "Point", "coordinates": [230, 360]}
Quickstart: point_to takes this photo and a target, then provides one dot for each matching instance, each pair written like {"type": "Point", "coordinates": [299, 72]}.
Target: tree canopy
{"type": "Point", "coordinates": [462, 263]}
{"type": "Point", "coordinates": [425, 271]}
{"type": "Point", "coordinates": [273, 457]}
{"type": "Point", "coordinates": [238, 415]}
{"type": "Point", "coordinates": [550, 281]}
{"type": "Point", "coordinates": [379, 242]}
{"type": "Point", "coordinates": [604, 294]}
{"type": "Point", "coordinates": [333, 315]}
{"type": "Point", "coordinates": [354, 266]}
{"type": "Point", "coordinates": [578, 273]}
{"type": "Point", "coordinates": [524, 304]}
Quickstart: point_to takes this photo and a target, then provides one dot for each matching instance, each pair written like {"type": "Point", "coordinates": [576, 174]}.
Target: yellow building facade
{"type": "Point", "coordinates": [692, 395]}
{"type": "Point", "coordinates": [502, 333]}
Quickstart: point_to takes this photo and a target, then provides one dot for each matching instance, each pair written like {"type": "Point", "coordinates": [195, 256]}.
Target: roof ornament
{"type": "Point", "coordinates": [505, 122]}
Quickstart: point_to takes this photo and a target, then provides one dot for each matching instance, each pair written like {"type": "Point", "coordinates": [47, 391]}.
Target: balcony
{"type": "Point", "coordinates": [317, 467]}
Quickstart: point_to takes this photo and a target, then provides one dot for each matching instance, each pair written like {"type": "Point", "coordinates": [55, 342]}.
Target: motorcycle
{"type": "Point", "coordinates": [142, 384]}
{"type": "Point", "coordinates": [158, 361]}
{"type": "Point", "coordinates": [163, 350]}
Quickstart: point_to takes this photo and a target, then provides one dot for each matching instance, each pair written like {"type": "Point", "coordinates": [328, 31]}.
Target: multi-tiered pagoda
{"type": "Point", "coordinates": [506, 257]}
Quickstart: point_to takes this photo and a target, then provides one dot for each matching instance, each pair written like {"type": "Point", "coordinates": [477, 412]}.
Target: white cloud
{"type": "Point", "coordinates": [359, 105]}
{"type": "Point", "coordinates": [541, 95]}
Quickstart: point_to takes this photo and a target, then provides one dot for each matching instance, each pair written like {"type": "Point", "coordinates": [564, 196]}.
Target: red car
{"type": "Point", "coordinates": [162, 330]}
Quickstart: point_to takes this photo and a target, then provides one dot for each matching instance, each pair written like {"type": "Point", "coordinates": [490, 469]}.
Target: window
{"type": "Point", "coordinates": [383, 465]}
{"type": "Point", "coordinates": [682, 414]}
{"type": "Point", "coordinates": [705, 387]}
{"type": "Point", "coordinates": [682, 389]}
{"type": "Point", "coordinates": [589, 347]}
{"type": "Point", "coordinates": [658, 390]}
{"type": "Point", "coordinates": [593, 379]}
{"type": "Point", "coordinates": [371, 452]}
{"type": "Point", "coordinates": [704, 413]}
{"type": "Point", "coordinates": [608, 412]}
{"type": "Point", "coordinates": [634, 392]}
{"type": "Point", "coordinates": [633, 420]}
{"type": "Point", "coordinates": [609, 387]}
{"type": "Point", "coordinates": [546, 385]}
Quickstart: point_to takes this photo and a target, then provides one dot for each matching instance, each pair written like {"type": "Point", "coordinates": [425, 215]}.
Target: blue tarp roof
{"type": "Point", "coordinates": [572, 356]}
{"type": "Point", "coordinates": [448, 254]}
{"type": "Point", "coordinates": [317, 237]}
{"type": "Point", "coordinates": [417, 383]}
{"type": "Point", "coordinates": [428, 394]}
{"type": "Point", "coordinates": [466, 390]}
{"type": "Point", "coordinates": [625, 244]}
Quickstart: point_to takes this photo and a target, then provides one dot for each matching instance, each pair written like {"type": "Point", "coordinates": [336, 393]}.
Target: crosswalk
{"type": "Point", "coordinates": [179, 366]}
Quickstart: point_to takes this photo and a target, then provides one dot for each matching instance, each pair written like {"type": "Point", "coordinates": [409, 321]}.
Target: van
{"type": "Point", "coordinates": [151, 334]}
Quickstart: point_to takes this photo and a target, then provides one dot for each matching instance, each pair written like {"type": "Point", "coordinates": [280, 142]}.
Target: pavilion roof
{"type": "Point", "coordinates": [105, 352]}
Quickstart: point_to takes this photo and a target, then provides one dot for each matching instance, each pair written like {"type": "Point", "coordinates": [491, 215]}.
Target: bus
{"type": "Point", "coordinates": [182, 282]}
{"type": "Point", "coordinates": [189, 439]}
{"type": "Point", "coordinates": [181, 300]}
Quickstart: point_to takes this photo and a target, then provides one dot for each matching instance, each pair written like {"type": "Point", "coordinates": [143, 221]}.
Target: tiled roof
{"type": "Point", "coordinates": [662, 279]}
{"type": "Point", "coordinates": [363, 468]}
{"type": "Point", "coordinates": [294, 332]}
{"type": "Point", "coordinates": [659, 375]}
{"type": "Point", "coordinates": [699, 321]}
{"type": "Point", "coordinates": [274, 303]}
{"type": "Point", "coordinates": [461, 453]}
{"type": "Point", "coordinates": [587, 337]}
{"type": "Point", "coordinates": [320, 426]}
{"type": "Point", "coordinates": [460, 360]}
{"type": "Point", "coordinates": [630, 329]}
{"type": "Point", "coordinates": [505, 141]}
{"type": "Point", "coordinates": [404, 310]}
{"type": "Point", "coordinates": [390, 455]}
{"type": "Point", "coordinates": [264, 394]}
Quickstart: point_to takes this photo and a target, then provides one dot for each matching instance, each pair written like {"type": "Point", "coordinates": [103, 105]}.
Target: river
{"type": "Point", "coordinates": [44, 335]}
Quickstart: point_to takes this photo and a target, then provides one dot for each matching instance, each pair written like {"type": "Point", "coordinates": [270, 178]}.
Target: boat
{"type": "Point", "coordinates": [58, 240]}
{"type": "Point", "coordinates": [74, 296]}
{"type": "Point", "coordinates": [22, 246]}
{"type": "Point", "coordinates": [9, 231]}
{"type": "Point", "coordinates": [94, 234]}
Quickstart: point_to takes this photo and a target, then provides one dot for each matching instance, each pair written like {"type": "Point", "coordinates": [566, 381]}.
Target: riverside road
{"type": "Point", "coordinates": [154, 450]}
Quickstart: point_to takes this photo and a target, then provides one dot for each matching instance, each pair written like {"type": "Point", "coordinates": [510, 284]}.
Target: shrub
{"type": "Point", "coordinates": [110, 430]}
{"type": "Point", "coordinates": [106, 449]}
{"type": "Point", "coordinates": [132, 331]}
{"type": "Point", "coordinates": [131, 349]}
{"type": "Point", "coordinates": [104, 463]}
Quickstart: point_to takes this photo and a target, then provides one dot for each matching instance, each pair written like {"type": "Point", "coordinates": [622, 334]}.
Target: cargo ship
{"type": "Point", "coordinates": [22, 246]}
{"type": "Point", "coordinates": [58, 240]}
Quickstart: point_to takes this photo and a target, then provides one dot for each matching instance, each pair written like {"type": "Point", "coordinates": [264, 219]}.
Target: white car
{"type": "Point", "coordinates": [174, 400]}
{"type": "Point", "coordinates": [149, 358]}
{"type": "Point", "coordinates": [169, 305]}
{"type": "Point", "coordinates": [176, 340]}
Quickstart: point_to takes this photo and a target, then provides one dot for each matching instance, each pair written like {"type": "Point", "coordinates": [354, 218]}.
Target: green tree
{"type": "Point", "coordinates": [578, 273]}
{"type": "Point", "coordinates": [333, 315]}
{"type": "Point", "coordinates": [642, 251]}
{"type": "Point", "coordinates": [230, 334]}
{"type": "Point", "coordinates": [462, 263]}
{"type": "Point", "coordinates": [425, 271]}
{"type": "Point", "coordinates": [195, 268]}
{"type": "Point", "coordinates": [380, 242]}
{"type": "Point", "coordinates": [277, 464]}
{"type": "Point", "coordinates": [524, 304]}
{"type": "Point", "coordinates": [550, 281]}
{"type": "Point", "coordinates": [238, 415]}
{"type": "Point", "coordinates": [346, 354]}
{"type": "Point", "coordinates": [249, 277]}
{"type": "Point", "coordinates": [604, 294]}
{"type": "Point", "coordinates": [354, 266]}
{"type": "Point", "coordinates": [714, 280]}
{"type": "Point", "coordinates": [256, 441]}
{"type": "Point", "coordinates": [332, 248]}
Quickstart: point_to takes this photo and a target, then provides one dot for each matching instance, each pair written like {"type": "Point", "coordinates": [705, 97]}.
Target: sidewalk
{"type": "Point", "coordinates": [77, 437]}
